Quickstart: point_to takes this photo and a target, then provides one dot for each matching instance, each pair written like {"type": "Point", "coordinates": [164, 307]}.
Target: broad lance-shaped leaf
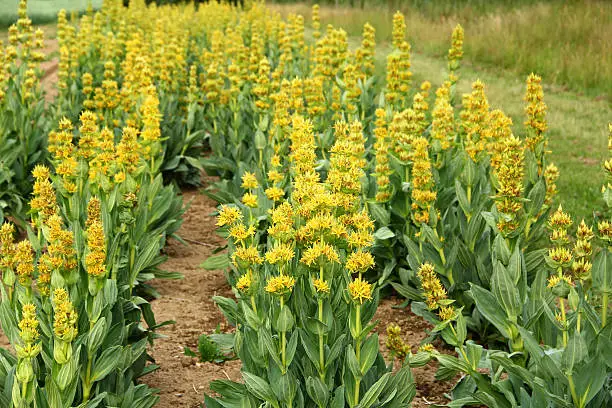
{"type": "Point", "coordinates": [370, 397]}
{"type": "Point", "coordinates": [369, 352]}
{"type": "Point", "coordinates": [574, 352]}
{"type": "Point", "coordinates": [602, 272]}
{"type": "Point", "coordinates": [260, 388]}
{"type": "Point", "coordinates": [490, 309]}
{"type": "Point", "coordinates": [505, 291]}
{"type": "Point", "coordinates": [317, 391]}
{"type": "Point", "coordinates": [216, 262]}
{"type": "Point", "coordinates": [105, 363]}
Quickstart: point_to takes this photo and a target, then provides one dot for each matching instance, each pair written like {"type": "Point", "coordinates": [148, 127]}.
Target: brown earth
{"type": "Point", "coordinates": [181, 380]}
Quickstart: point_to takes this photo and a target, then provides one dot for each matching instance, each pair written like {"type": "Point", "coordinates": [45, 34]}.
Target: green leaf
{"type": "Point", "coordinates": [574, 352]}
{"type": "Point", "coordinates": [461, 328]}
{"type": "Point", "coordinates": [490, 309]}
{"type": "Point", "coordinates": [370, 397]}
{"type": "Point", "coordinates": [216, 262]}
{"type": "Point", "coordinates": [317, 391]}
{"type": "Point", "coordinates": [285, 320]}
{"type": "Point", "coordinates": [602, 273]}
{"type": "Point", "coordinates": [352, 363]}
{"type": "Point", "coordinates": [369, 352]}
{"type": "Point", "coordinates": [105, 363]}
{"type": "Point", "coordinates": [505, 291]}
{"type": "Point", "coordinates": [453, 363]}
{"type": "Point", "coordinates": [259, 387]}
{"type": "Point", "coordinates": [383, 233]}
{"type": "Point", "coordinates": [96, 335]}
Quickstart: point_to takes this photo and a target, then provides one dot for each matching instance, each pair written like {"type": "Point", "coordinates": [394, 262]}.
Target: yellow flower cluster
{"type": "Point", "coordinates": [346, 164]}
{"type": "Point", "coordinates": [383, 170]}
{"type": "Point", "coordinates": [535, 111]}
{"type": "Point", "coordinates": [582, 252]}
{"type": "Point", "coordinates": [455, 53]}
{"type": "Point", "coordinates": [443, 119]}
{"type": "Point", "coordinates": [65, 317]}
{"type": "Point", "coordinates": [423, 194]}
{"type": "Point", "coordinates": [7, 245]}
{"type": "Point", "coordinates": [280, 285]}
{"type": "Point", "coordinates": [28, 332]}
{"type": "Point", "coordinates": [474, 117]}
{"type": "Point", "coordinates": [509, 174]}
{"type": "Point", "coordinates": [44, 201]}
{"type": "Point", "coordinates": [249, 183]}
{"type": "Point", "coordinates": [316, 22]}
{"type": "Point", "coordinates": [95, 260]}
{"type": "Point", "coordinates": [435, 294]}
{"type": "Point", "coordinates": [364, 55]}
{"type": "Point", "coordinates": [395, 344]}
{"type": "Point", "coordinates": [360, 291]}
{"type": "Point", "coordinates": [559, 254]}
{"type": "Point", "coordinates": [398, 65]}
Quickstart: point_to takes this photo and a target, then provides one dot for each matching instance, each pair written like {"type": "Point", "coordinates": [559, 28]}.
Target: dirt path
{"type": "Point", "coordinates": [181, 380]}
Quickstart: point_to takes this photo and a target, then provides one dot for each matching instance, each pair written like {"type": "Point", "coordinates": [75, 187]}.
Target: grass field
{"type": "Point", "coordinates": [573, 48]}
{"type": "Point", "coordinates": [42, 11]}
{"type": "Point", "coordinates": [577, 118]}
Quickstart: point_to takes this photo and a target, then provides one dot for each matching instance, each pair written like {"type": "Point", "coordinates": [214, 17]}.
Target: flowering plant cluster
{"type": "Point", "coordinates": [304, 308]}
{"type": "Point", "coordinates": [73, 292]}
{"type": "Point", "coordinates": [460, 203]}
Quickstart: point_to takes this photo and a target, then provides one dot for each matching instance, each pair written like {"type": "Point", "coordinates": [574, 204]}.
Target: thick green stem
{"type": "Point", "coordinates": [358, 350]}
{"type": "Point", "coordinates": [283, 340]}
{"type": "Point", "coordinates": [321, 344]}
{"type": "Point", "coordinates": [87, 381]}
{"type": "Point", "coordinates": [562, 307]}
{"type": "Point", "coordinates": [469, 199]}
{"type": "Point", "coordinates": [604, 309]}
{"type": "Point", "coordinates": [572, 386]}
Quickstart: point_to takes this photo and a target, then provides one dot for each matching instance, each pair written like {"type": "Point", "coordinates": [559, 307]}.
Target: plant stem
{"type": "Point", "coordinates": [253, 304]}
{"type": "Point", "coordinates": [321, 338]}
{"type": "Point", "coordinates": [87, 381]}
{"type": "Point", "coordinates": [562, 306]}
{"type": "Point", "coordinates": [358, 349]}
{"type": "Point", "coordinates": [604, 309]}
{"type": "Point", "coordinates": [572, 386]}
{"type": "Point", "coordinates": [283, 340]}
{"type": "Point", "coordinates": [469, 199]}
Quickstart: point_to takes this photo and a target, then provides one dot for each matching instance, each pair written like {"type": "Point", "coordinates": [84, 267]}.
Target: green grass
{"type": "Point", "coordinates": [577, 120]}
{"type": "Point", "coordinates": [577, 128]}
{"type": "Point", "coordinates": [42, 11]}
{"type": "Point", "coordinates": [567, 43]}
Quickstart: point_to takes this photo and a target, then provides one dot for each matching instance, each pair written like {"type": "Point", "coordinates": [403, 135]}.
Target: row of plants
{"type": "Point", "coordinates": [455, 212]}
{"type": "Point", "coordinates": [102, 55]}
{"type": "Point", "coordinates": [74, 293]}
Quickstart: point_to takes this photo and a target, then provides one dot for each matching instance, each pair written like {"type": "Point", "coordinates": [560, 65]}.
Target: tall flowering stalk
{"type": "Point", "coordinates": [309, 285]}
{"type": "Point", "coordinates": [536, 125]}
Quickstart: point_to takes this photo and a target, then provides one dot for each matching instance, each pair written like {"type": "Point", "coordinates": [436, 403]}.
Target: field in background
{"type": "Point", "coordinates": [577, 114]}
{"type": "Point", "coordinates": [42, 11]}
{"type": "Point", "coordinates": [567, 43]}
{"type": "Point", "coordinates": [577, 120]}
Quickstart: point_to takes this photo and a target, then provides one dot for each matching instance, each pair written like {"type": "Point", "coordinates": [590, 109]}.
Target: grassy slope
{"type": "Point", "coordinates": [577, 123]}
{"type": "Point", "coordinates": [577, 128]}
{"type": "Point", "coordinates": [42, 11]}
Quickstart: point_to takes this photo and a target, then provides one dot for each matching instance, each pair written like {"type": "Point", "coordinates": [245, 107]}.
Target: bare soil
{"type": "Point", "coordinates": [181, 380]}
